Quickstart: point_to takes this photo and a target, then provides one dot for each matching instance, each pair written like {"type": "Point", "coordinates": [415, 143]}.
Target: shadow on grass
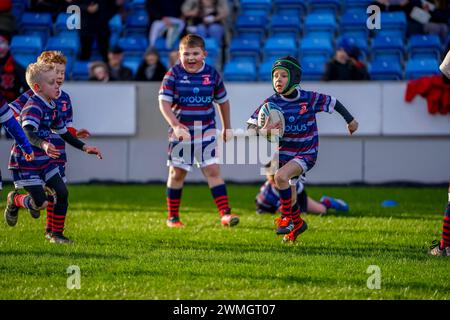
{"type": "Point", "coordinates": [365, 250]}
{"type": "Point", "coordinates": [77, 255]}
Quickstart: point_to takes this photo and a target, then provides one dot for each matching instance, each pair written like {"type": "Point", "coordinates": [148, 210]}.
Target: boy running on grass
{"type": "Point", "coordinates": [299, 146]}
{"type": "Point", "coordinates": [64, 106]}
{"type": "Point", "coordinates": [39, 118]}
{"type": "Point", "coordinates": [186, 100]}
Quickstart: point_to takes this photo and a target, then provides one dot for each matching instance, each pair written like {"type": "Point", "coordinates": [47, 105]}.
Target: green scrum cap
{"type": "Point", "coordinates": [293, 68]}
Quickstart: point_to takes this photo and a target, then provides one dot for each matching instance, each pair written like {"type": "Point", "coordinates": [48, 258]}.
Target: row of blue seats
{"type": "Point", "coordinates": [355, 21]}
{"type": "Point", "coordinates": [418, 46]}
{"type": "Point", "coordinates": [336, 6]}
{"type": "Point", "coordinates": [314, 70]}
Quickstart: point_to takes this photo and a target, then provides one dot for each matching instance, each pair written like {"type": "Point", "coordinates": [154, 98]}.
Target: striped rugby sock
{"type": "Point", "coordinates": [50, 208]}
{"type": "Point", "coordinates": [220, 196]}
{"type": "Point", "coordinates": [296, 214]}
{"type": "Point", "coordinates": [58, 217]}
{"type": "Point", "coordinates": [286, 202]}
{"type": "Point", "coordinates": [23, 201]}
{"type": "Point", "coordinates": [445, 241]}
{"type": "Point", "coordinates": [173, 197]}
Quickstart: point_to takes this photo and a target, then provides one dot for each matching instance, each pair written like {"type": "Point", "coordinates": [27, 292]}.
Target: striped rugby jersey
{"type": "Point", "coordinates": [192, 96]}
{"type": "Point", "coordinates": [65, 111]}
{"type": "Point", "coordinates": [300, 135]}
{"type": "Point", "coordinates": [45, 119]}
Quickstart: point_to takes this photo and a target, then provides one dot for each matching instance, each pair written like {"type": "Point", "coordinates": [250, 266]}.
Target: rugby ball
{"type": "Point", "coordinates": [272, 112]}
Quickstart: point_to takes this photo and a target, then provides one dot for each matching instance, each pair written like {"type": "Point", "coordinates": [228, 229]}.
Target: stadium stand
{"type": "Point", "coordinates": [260, 30]}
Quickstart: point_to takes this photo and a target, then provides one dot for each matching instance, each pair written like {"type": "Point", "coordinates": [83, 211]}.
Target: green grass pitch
{"type": "Point", "coordinates": [125, 251]}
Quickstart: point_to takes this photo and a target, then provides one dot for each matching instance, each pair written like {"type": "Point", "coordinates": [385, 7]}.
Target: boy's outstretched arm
{"type": "Point", "coordinates": [224, 111]}
{"type": "Point", "coordinates": [352, 124]}
{"type": "Point", "coordinates": [78, 144]}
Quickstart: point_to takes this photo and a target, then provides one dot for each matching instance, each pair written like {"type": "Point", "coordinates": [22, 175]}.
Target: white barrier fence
{"type": "Point", "coordinates": [397, 141]}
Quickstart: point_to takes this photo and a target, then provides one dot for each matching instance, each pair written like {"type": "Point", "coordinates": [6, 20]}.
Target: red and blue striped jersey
{"type": "Point", "coordinates": [65, 111]}
{"type": "Point", "coordinates": [192, 96]}
{"type": "Point", "coordinates": [300, 132]}
{"type": "Point", "coordinates": [44, 117]}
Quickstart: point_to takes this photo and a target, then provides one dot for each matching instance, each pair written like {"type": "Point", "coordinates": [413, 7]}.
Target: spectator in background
{"type": "Point", "coordinates": [361, 69]}
{"type": "Point", "coordinates": [206, 18]}
{"type": "Point", "coordinates": [174, 57]}
{"type": "Point", "coordinates": [12, 75]}
{"type": "Point", "coordinates": [98, 71]}
{"type": "Point", "coordinates": [439, 19]}
{"type": "Point", "coordinates": [151, 68]}
{"type": "Point", "coordinates": [429, 16]}
{"type": "Point", "coordinates": [165, 16]}
{"type": "Point", "coordinates": [341, 67]}
{"type": "Point", "coordinates": [95, 16]}
{"type": "Point", "coordinates": [117, 71]}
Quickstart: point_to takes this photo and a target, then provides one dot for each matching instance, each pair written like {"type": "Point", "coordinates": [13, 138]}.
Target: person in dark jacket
{"type": "Point", "coordinates": [341, 67]}
{"type": "Point", "coordinates": [151, 68]}
{"type": "Point", "coordinates": [95, 16]}
{"type": "Point", "coordinates": [117, 71]}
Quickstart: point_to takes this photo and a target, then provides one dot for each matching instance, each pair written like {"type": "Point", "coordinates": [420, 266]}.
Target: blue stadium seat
{"type": "Point", "coordinates": [277, 46]}
{"type": "Point", "coordinates": [61, 23]}
{"type": "Point", "coordinates": [416, 68]}
{"type": "Point", "coordinates": [384, 46]}
{"type": "Point", "coordinates": [357, 4]}
{"type": "Point", "coordinates": [26, 44]}
{"type": "Point", "coordinates": [331, 6]}
{"type": "Point", "coordinates": [132, 63]}
{"type": "Point", "coordinates": [265, 70]}
{"type": "Point", "coordinates": [354, 20]}
{"type": "Point", "coordinates": [137, 5]}
{"type": "Point", "coordinates": [137, 23]}
{"type": "Point", "coordinates": [251, 23]}
{"type": "Point", "coordinates": [424, 46]}
{"type": "Point", "coordinates": [360, 42]}
{"type": "Point", "coordinates": [319, 35]}
{"type": "Point", "coordinates": [68, 46]}
{"type": "Point", "coordinates": [36, 20]}
{"type": "Point", "coordinates": [320, 22]}
{"type": "Point", "coordinates": [212, 47]}
{"type": "Point", "coordinates": [245, 47]}
{"type": "Point", "coordinates": [80, 70]}
{"type": "Point", "coordinates": [160, 44]}
{"type": "Point", "coordinates": [297, 7]}
{"type": "Point", "coordinates": [316, 46]}
{"type": "Point", "coordinates": [313, 68]}
{"type": "Point", "coordinates": [395, 20]}
{"type": "Point", "coordinates": [240, 71]}
{"type": "Point", "coordinates": [286, 24]}
{"type": "Point", "coordinates": [255, 6]}
{"type": "Point", "coordinates": [24, 59]}
{"type": "Point", "coordinates": [115, 24]}
{"type": "Point", "coordinates": [385, 70]}
{"type": "Point", "coordinates": [133, 46]}
{"type": "Point", "coordinates": [37, 23]}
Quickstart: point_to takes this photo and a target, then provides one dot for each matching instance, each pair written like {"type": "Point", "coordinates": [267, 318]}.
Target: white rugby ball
{"type": "Point", "coordinates": [272, 112]}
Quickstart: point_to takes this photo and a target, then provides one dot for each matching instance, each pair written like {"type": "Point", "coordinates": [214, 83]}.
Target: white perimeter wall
{"type": "Point", "coordinates": [397, 141]}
